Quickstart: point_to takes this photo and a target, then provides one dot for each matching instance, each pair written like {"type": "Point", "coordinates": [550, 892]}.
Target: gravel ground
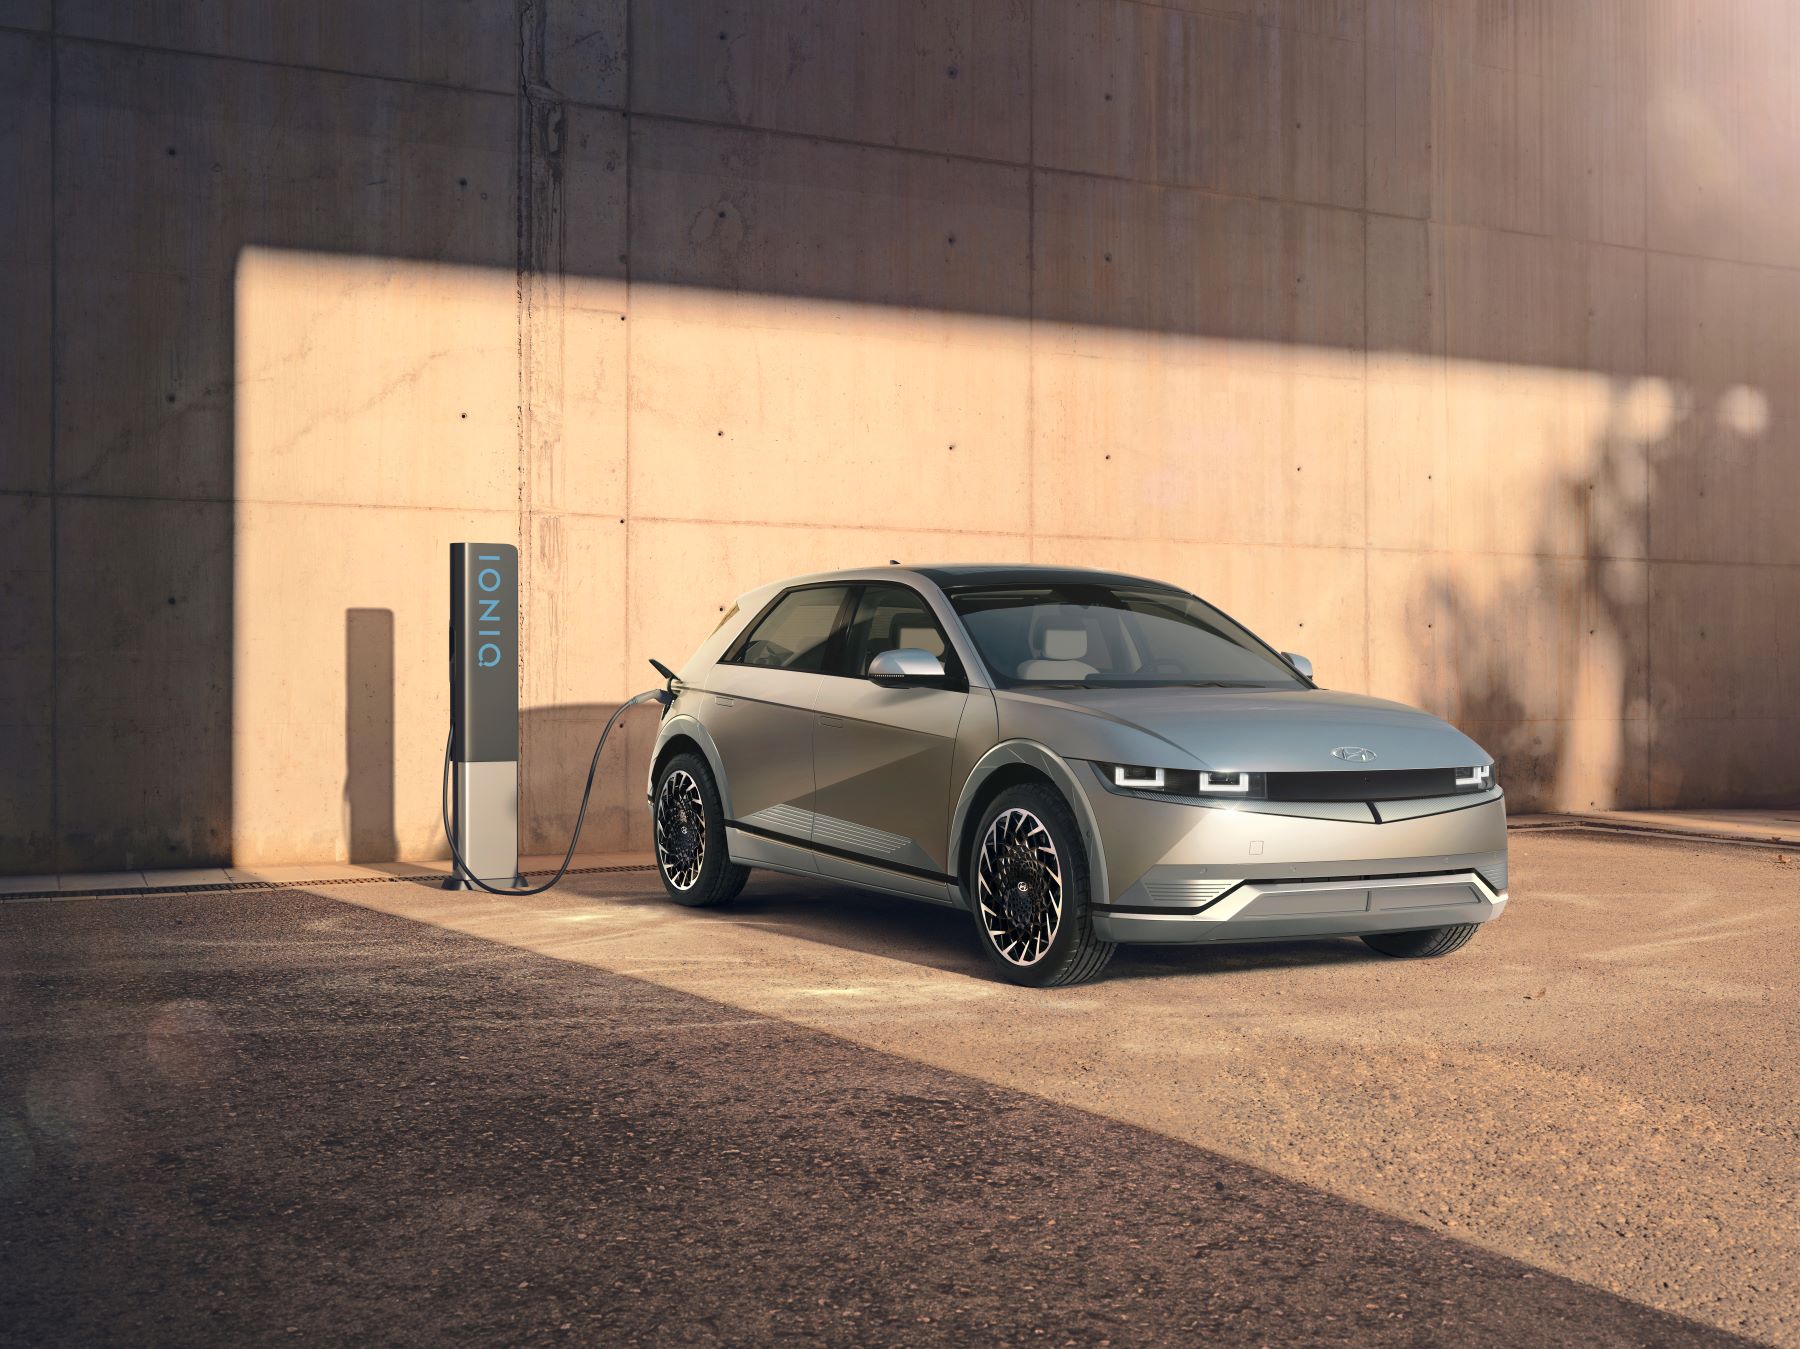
{"type": "Point", "coordinates": [382, 1112]}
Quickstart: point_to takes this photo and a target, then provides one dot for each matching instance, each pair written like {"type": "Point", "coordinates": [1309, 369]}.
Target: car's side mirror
{"type": "Point", "coordinates": [1299, 662]}
{"type": "Point", "coordinates": [905, 665]}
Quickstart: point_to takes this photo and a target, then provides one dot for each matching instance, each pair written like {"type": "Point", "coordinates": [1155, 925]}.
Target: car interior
{"type": "Point", "coordinates": [887, 619]}
{"type": "Point", "coordinates": [1059, 642]}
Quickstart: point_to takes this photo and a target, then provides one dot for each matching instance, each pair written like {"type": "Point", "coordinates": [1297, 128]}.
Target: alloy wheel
{"type": "Point", "coordinates": [680, 829]}
{"type": "Point", "coordinates": [1019, 886]}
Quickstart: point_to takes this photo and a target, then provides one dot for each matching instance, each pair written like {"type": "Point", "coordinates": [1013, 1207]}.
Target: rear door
{"type": "Point", "coordinates": [759, 711]}
{"type": "Point", "coordinates": [882, 755]}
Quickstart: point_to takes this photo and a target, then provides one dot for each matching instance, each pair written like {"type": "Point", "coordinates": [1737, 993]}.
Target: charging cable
{"type": "Point", "coordinates": [462, 868]}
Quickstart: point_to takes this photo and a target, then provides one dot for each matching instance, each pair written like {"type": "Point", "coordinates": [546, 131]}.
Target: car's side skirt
{"type": "Point", "coordinates": [766, 847]}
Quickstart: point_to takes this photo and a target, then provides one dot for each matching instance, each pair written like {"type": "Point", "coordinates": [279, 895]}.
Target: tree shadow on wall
{"type": "Point", "coordinates": [1551, 670]}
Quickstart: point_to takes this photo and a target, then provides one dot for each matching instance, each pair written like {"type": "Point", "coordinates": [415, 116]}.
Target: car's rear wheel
{"type": "Point", "coordinates": [689, 826]}
{"type": "Point", "coordinates": [1423, 944]}
{"type": "Point", "coordinates": [1028, 883]}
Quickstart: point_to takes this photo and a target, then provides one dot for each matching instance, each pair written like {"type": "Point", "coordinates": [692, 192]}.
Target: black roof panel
{"type": "Point", "coordinates": [961, 575]}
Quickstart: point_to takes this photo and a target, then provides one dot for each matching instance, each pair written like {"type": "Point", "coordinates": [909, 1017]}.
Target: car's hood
{"type": "Point", "coordinates": [1257, 730]}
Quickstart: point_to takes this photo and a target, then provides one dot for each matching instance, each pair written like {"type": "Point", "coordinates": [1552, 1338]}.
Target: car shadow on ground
{"type": "Point", "coordinates": [938, 937]}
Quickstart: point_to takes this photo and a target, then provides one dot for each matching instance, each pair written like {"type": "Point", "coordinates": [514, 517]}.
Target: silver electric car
{"type": "Point", "coordinates": [1077, 758]}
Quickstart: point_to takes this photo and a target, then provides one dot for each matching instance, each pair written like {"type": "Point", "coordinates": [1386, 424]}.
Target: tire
{"type": "Point", "coordinates": [687, 822]}
{"type": "Point", "coordinates": [1422, 945]}
{"type": "Point", "coordinates": [1027, 884]}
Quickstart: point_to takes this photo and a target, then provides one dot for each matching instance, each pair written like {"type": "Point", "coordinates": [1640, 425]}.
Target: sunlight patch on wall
{"type": "Point", "coordinates": [1469, 536]}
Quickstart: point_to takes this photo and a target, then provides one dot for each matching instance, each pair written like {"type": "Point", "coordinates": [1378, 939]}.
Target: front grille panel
{"type": "Point", "coordinates": [1394, 784]}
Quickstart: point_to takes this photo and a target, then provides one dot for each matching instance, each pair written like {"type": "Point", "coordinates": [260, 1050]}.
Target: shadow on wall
{"type": "Point", "coordinates": [169, 166]}
{"type": "Point", "coordinates": [556, 744]}
{"type": "Point", "coordinates": [1605, 674]}
{"type": "Point", "coordinates": [556, 749]}
{"type": "Point", "coordinates": [1518, 640]}
{"type": "Point", "coordinates": [369, 736]}
{"type": "Point", "coordinates": [165, 172]}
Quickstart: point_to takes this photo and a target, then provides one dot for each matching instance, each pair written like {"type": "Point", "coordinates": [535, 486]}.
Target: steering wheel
{"type": "Point", "coordinates": [1163, 665]}
{"type": "Point", "coordinates": [767, 654]}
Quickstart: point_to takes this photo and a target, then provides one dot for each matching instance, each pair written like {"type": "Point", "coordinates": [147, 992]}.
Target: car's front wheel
{"type": "Point", "coordinates": [1423, 944]}
{"type": "Point", "coordinates": [1028, 880]}
{"type": "Point", "coordinates": [689, 825]}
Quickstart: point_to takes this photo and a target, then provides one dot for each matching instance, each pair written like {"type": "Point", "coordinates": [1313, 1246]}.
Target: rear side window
{"type": "Point", "coordinates": [794, 633]}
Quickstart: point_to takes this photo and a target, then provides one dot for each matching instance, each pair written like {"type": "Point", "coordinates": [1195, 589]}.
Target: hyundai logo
{"type": "Point", "coordinates": [1353, 753]}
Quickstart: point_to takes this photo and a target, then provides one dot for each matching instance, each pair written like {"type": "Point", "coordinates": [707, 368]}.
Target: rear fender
{"type": "Point", "coordinates": [683, 724]}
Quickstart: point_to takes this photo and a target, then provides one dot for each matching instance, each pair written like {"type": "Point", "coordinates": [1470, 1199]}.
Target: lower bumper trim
{"type": "Point", "coordinates": [1261, 910]}
{"type": "Point", "coordinates": [1224, 895]}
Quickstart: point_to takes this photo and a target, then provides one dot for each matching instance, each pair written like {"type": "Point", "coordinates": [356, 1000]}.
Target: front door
{"type": "Point", "coordinates": [759, 711]}
{"type": "Point", "coordinates": [882, 755]}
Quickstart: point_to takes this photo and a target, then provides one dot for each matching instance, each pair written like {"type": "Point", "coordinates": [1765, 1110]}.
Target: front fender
{"type": "Point", "coordinates": [1058, 770]}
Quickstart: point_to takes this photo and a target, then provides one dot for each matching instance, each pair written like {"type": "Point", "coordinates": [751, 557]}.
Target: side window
{"type": "Point", "coordinates": [795, 633]}
{"type": "Point", "coordinates": [890, 616]}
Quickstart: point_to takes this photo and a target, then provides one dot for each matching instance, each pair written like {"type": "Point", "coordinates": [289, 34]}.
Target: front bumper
{"type": "Point", "coordinates": [1253, 871]}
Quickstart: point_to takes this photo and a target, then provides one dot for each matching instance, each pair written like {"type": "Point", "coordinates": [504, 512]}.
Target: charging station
{"type": "Point", "coordinates": [484, 713]}
{"type": "Point", "coordinates": [481, 756]}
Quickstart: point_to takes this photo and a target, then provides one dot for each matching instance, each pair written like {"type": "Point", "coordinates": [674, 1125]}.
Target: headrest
{"type": "Point", "coordinates": [1065, 643]}
{"type": "Point", "coordinates": [925, 639]}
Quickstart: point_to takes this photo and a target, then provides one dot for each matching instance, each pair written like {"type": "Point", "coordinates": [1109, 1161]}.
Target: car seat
{"type": "Point", "coordinates": [925, 639]}
{"type": "Point", "coordinates": [1060, 642]}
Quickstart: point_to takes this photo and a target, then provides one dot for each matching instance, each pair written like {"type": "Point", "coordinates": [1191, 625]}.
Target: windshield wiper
{"type": "Point", "coordinates": [1144, 684]}
{"type": "Point", "coordinates": [1215, 684]}
{"type": "Point", "coordinates": [1172, 684]}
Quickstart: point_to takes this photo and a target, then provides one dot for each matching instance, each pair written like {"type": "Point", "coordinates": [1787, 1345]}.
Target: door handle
{"type": "Point", "coordinates": [830, 721]}
{"type": "Point", "coordinates": [721, 700]}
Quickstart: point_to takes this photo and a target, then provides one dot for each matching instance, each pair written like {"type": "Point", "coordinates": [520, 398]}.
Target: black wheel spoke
{"type": "Point", "coordinates": [1019, 887]}
{"type": "Point", "coordinates": [680, 829]}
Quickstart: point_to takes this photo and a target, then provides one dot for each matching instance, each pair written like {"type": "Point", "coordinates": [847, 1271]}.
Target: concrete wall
{"type": "Point", "coordinates": [1455, 344]}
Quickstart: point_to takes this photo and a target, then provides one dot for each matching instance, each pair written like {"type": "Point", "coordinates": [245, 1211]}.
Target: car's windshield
{"type": "Point", "coordinates": [1110, 636]}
